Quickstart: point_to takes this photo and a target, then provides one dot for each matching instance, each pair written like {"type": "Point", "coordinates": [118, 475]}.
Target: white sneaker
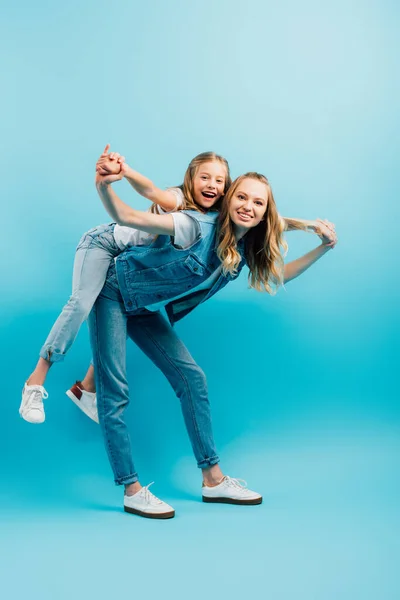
{"type": "Point", "coordinates": [230, 491]}
{"type": "Point", "coordinates": [86, 401]}
{"type": "Point", "coordinates": [31, 408]}
{"type": "Point", "coordinates": [145, 504]}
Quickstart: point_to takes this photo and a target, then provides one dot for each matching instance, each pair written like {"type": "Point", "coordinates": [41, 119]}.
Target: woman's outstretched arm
{"type": "Point", "coordinates": [125, 215]}
{"type": "Point", "coordinates": [296, 267]}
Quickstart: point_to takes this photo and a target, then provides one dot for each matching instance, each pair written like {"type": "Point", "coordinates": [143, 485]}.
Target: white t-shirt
{"type": "Point", "coordinates": [128, 236]}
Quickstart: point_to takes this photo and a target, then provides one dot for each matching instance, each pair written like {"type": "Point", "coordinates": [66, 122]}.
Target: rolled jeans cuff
{"type": "Point", "coordinates": [52, 356]}
{"type": "Point", "coordinates": [126, 480]}
{"type": "Point", "coordinates": [208, 462]}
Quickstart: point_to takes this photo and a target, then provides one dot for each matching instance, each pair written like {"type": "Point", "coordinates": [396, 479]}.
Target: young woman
{"type": "Point", "coordinates": [206, 180]}
{"type": "Point", "coordinates": [248, 230]}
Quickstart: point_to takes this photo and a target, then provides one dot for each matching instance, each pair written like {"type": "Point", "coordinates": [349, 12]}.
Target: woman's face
{"type": "Point", "coordinates": [209, 183]}
{"type": "Point", "coordinates": [248, 204]}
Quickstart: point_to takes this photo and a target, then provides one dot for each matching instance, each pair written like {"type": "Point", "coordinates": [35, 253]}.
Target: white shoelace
{"type": "Point", "coordinates": [148, 496]}
{"type": "Point", "coordinates": [36, 397]}
{"type": "Point", "coordinates": [238, 484]}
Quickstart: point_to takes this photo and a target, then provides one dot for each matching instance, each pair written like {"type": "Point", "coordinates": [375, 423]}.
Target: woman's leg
{"type": "Point", "coordinates": [159, 342]}
{"type": "Point", "coordinates": [107, 326]}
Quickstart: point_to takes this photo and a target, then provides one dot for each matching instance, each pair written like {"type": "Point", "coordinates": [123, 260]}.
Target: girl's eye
{"type": "Point", "coordinates": [240, 197]}
{"type": "Point", "coordinates": [204, 177]}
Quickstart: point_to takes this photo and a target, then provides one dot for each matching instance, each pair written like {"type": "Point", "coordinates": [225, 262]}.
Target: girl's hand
{"type": "Point", "coordinates": [325, 230]}
{"type": "Point", "coordinates": [110, 163]}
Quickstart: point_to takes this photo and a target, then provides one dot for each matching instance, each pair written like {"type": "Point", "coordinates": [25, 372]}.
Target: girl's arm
{"type": "Point", "coordinates": [114, 163]}
{"type": "Point", "coordinates": [297, 267]}
{"type": "Point", "coordinates": [125, 215]}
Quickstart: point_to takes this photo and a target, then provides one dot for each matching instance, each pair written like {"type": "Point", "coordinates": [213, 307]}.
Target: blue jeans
{"type": "Point", "coordinates": [94, 253]}
{"type": "Point", "coordinates": [109, 325]}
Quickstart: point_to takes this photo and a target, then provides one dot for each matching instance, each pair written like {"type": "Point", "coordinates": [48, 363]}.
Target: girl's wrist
{"type": "Point", "coordinates": [102, 185]}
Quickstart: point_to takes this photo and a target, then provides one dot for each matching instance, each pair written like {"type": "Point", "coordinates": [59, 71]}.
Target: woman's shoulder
{"type": "Point", "coordinates": [210, 217]}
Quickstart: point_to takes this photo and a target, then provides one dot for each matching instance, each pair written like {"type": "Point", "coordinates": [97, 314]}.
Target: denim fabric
{"type": "Point", "coordinates": [160, 272]}
{"type": "Point", "coordinates": [109, 324]}
{"type": "Point", "coordinates": [94, 253]}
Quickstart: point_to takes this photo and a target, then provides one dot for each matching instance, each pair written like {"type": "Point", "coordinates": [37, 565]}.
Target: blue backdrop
{"type": "Point", "coordinates": [303, 385]}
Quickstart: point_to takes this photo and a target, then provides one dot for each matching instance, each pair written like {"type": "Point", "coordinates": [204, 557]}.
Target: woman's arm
{"type": "Point", "coordinates": [298, 266]}
{"type": "Point", "coordinates": [113, 163]}
{"type": "Point", "coordinates": [313, 226]}
{"type": "Point", "coordinates": [327, 234]}
{"type": "Point", "coordinates": [125, 215]}
{"type": "Point", "coordinates": [294, 224]}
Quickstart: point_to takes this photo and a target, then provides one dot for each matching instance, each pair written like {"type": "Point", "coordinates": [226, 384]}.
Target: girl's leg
{"type": "Point", "coordinates": [92, 260]}
{"type": "Point", "coordinates": [159, 342]}
{"type": "Point", "coordinates": [93, 256]}
{"type": "Point", "coordinates": [88, 383]}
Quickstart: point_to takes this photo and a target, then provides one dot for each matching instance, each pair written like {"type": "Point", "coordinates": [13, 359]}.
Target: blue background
{"type": "Point", "coordinates": [303, 385]}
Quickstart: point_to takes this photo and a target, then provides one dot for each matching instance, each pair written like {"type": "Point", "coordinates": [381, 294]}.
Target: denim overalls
{"type": "Point", "coordinates": [149, 275]}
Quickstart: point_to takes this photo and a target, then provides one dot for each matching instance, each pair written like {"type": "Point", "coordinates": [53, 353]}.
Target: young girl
{"type": "Point", "coordinates": [206, 180]}
{"type": "Point", "coordinates": [248, 230]}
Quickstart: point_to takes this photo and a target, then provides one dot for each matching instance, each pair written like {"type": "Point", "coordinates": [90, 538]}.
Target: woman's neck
{"type": "Point", "coordinates": [239, 232]}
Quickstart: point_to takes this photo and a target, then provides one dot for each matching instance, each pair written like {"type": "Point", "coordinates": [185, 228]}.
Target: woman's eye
{"type": "Point", "coordinates": [241, 197]}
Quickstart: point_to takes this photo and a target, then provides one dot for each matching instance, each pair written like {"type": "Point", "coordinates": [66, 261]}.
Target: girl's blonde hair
{"type": "Point", "coordinates": [187, 185]}
{"type": "Point", "coordinates": [264, 245]}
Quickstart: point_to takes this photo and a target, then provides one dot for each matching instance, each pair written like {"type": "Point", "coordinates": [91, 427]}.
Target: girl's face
{"type": "Point", "coordinates": [209, 183]}
{"type": "Point", "coordinates": [248, 204]}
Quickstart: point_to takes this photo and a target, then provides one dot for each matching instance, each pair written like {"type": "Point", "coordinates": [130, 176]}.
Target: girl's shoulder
{"type": "Point", "coordinates": [178, 193]}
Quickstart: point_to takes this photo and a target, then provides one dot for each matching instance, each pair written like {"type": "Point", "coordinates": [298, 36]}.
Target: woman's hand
{"type": "Point", "coordinates": [325, 230]}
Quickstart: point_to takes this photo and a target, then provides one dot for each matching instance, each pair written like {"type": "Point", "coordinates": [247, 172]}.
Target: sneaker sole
{"type": "Point", "coordinates": [77, 403]}
{"type": "Point", "coordinates": [134, 511]}
{"type": "Point", "coordinates": [32, 422]}
{"type": "Point", "coordinates": [252, 502]}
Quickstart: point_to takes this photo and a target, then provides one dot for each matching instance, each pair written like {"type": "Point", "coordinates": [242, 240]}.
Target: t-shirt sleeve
{"type": "Point", "coordinates": [177, 192]}
{"type": "Point", "coordinates": [186, 229]}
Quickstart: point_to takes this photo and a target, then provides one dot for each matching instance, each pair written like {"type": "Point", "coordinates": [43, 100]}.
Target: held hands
{"type": "Point", "coordinates": [325, 230]}
{"type": "Point", "coordinates": [110, 167]}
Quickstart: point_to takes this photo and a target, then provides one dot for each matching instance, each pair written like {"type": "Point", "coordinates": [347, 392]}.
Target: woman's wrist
{"type": "Point", "coordinates": [325, 246]}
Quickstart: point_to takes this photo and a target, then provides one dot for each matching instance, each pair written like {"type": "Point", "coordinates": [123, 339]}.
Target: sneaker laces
{"type": "Point", "coordinates": [36, 397]}
{"type": "Point", "coordinates": [238, 484]}
{"type": "Point", "coordinates": [148, 496]}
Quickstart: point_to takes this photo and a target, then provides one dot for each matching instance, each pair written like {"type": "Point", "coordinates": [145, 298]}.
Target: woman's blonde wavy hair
{"type": "Point", "coordinates": [187, 185]}
{"type": "Point", "coordinates": [265, 246]}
